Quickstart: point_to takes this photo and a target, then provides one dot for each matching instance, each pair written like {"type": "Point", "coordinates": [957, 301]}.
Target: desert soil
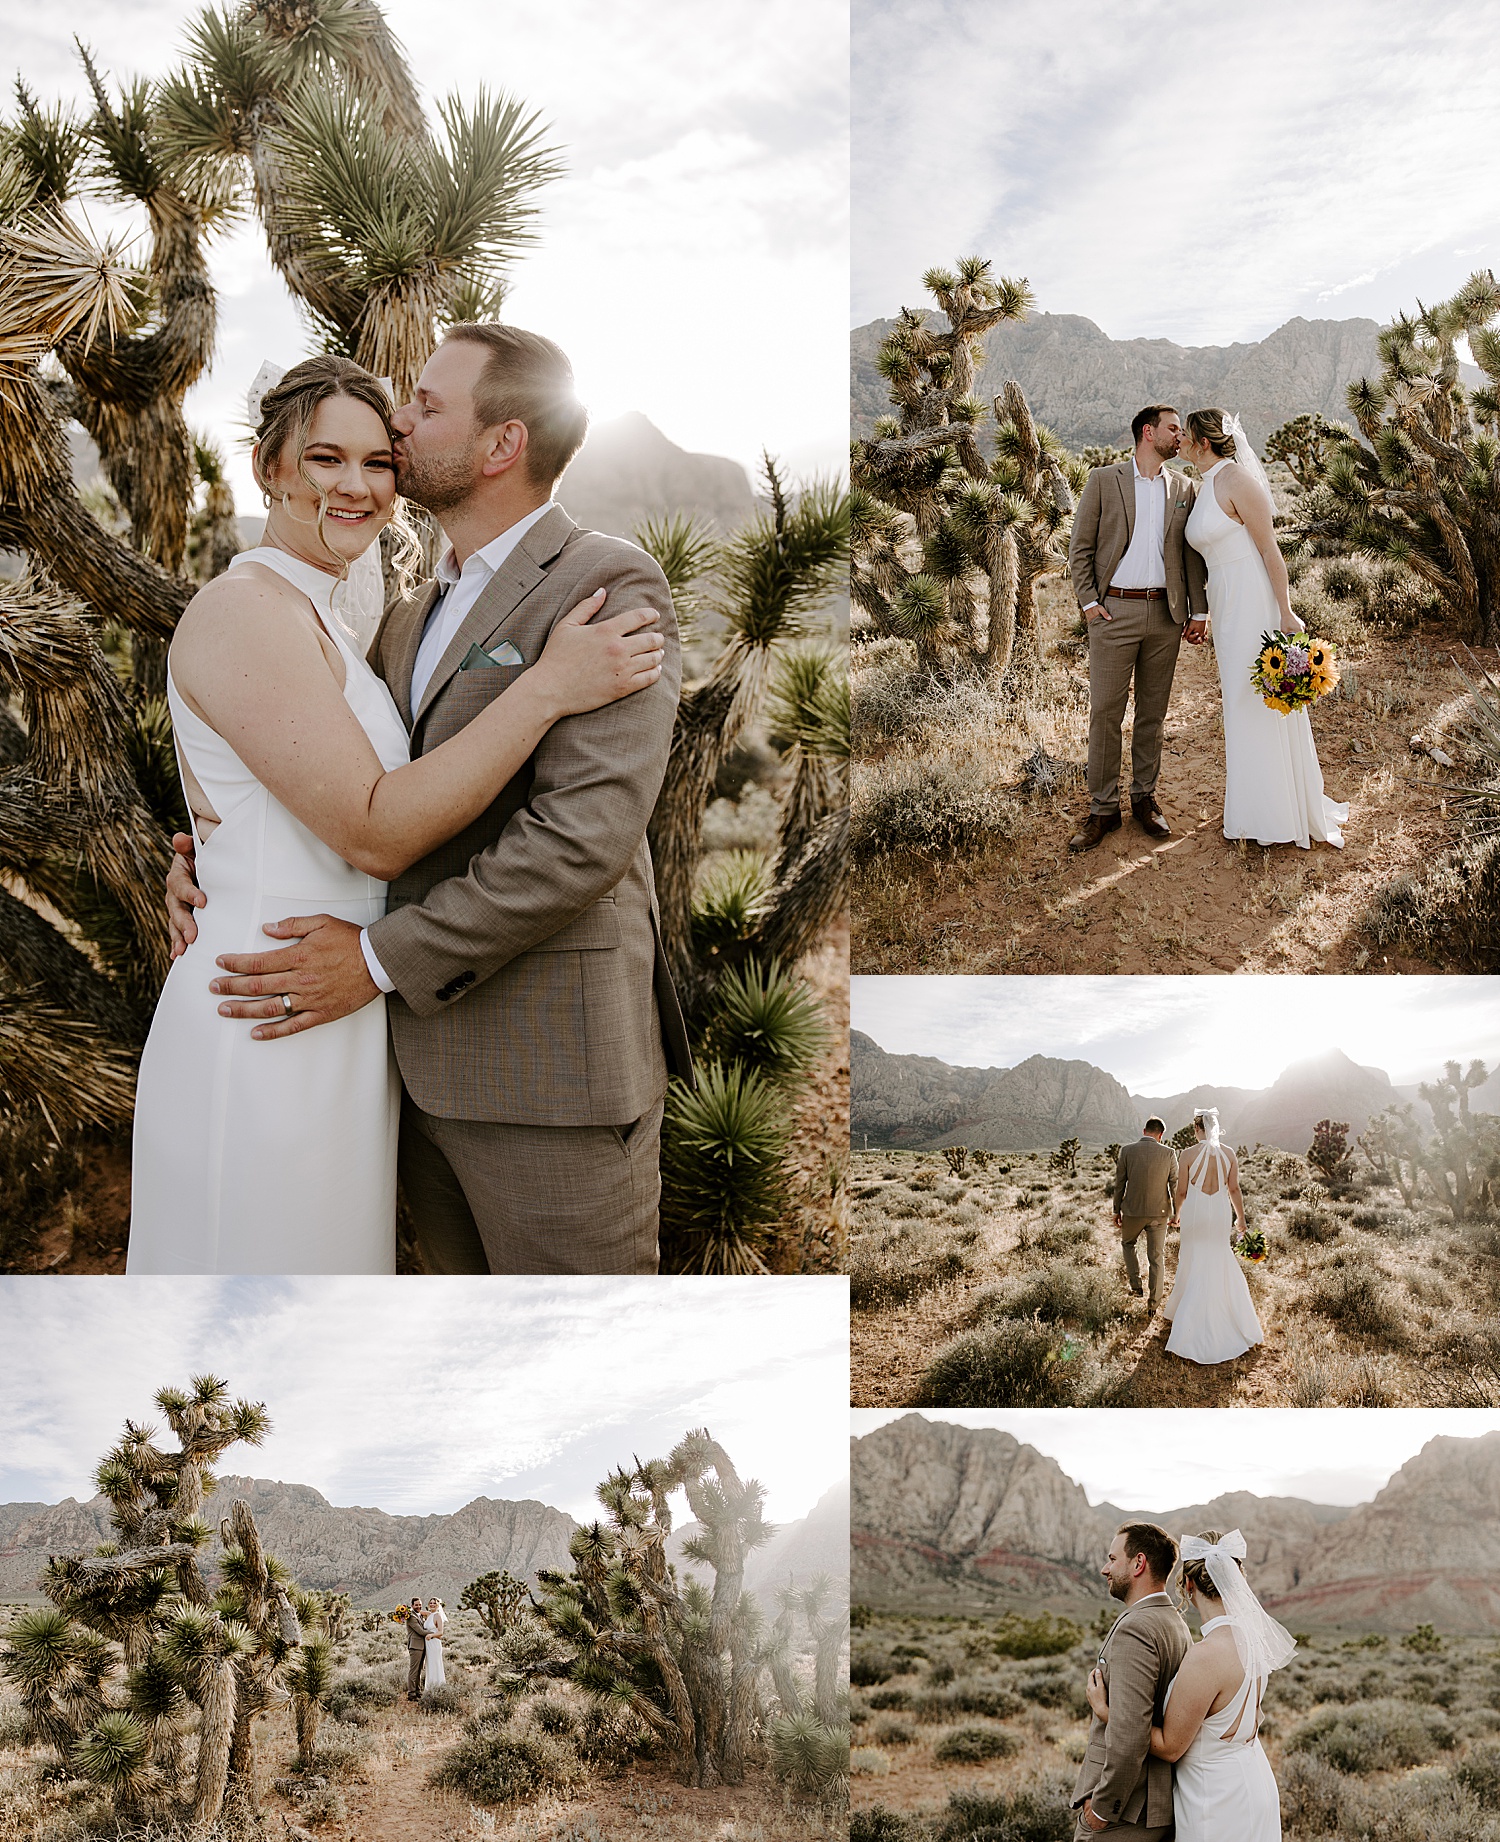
{"type": "Point", "coordinates": [1198, 903]}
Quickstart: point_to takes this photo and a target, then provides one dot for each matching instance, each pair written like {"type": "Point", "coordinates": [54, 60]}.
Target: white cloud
{"type": "Point", "coordinates": [1144, 1459]}
{"type": "Point", "coordinates": [694, 260]}
{"type": "Point", "coordinates": [1201, 174]}
{"type": "Point", "coordinates": [418, 1395]}
{"type": "Point", "coordinates": [1164, 1035]}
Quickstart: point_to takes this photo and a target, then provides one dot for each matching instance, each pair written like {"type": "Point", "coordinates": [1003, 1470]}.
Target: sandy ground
{"type": "Point", "coordinates": [1196, 903]}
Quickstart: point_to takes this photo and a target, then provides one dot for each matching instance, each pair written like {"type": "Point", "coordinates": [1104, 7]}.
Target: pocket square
{"type": "Point", "coordinates": [476, 659]}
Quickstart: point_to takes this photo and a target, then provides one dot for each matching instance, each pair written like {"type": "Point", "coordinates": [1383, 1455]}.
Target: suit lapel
{"type": "Point", "coordinates": [1125, 474]}
{"type": "Point", "coordinates": [399, 643]}
{"type": "Point", "coordinates": [511, 583]}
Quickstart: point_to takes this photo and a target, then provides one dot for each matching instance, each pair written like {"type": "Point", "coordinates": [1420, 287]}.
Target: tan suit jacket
{"type": "Point", "coordinates": [416, 1635]}
{"type": "Point", "coordinates": [1144, 1175]}
{"type": "Point", "coordinates": [531, 986]}
{"type": "Point", "coordinates": [1139, 1659]}
{"type": "Point", "coordinates": [1104, 524]}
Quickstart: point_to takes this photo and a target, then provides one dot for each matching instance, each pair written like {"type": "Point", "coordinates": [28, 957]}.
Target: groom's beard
{"type": "Point", "coordinates": [1118, 1588]}
{"type": "Point", "coordinates": [435, 484]}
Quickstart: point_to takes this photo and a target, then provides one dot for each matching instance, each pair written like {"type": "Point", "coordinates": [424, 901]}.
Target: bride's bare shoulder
{"type": "Point", "coordinates": [243, 598]}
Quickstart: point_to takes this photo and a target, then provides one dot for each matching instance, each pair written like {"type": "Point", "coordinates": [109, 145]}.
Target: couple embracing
{"type": "Point", "coordinates": [1154, 558]}
{"type": "Point", "coordinates": [451, 836]}
{"type": "Point", "coordinates": [1174, 1746]}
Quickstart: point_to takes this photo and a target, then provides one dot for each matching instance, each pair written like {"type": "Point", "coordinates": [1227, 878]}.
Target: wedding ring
{"type": "Point", "coordinates": [286, 1003]}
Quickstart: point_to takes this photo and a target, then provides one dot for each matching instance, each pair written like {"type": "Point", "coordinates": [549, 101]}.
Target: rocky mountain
{"type": "Point", "coordinates": [918, 1102]}
{"type": "Point", "coordinates": [627, 470]}
{"type": "Point", "coordinates": [374, 1556]}
{"type": "Point", "coordinates": [1328, 1086]}
{"type": "Point", "coordinates": [965, 1520]}
{"type": "Point", "coordinates": [1086, 386]}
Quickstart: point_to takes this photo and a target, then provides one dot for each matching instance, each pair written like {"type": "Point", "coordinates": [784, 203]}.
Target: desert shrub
{"type": "Point", "coordinates": [972, 1697]}
{"type": "Point", "coordinates": [890, 1730]}
{"type": "Point", "coordinates": [1043, 1636]}
{"type": "Point", "coordinates": [553, 1716]}
{"type": "Point", "coordinates": [886, 701]}
{"type": "Point", "coordinates": [1051, 1690]}
{"type": "Point", "coordinates": [869, 1762]}
{"type": "Point", "coordinates": [973, 1745]}
{"type": "Point", "coordinates": [1313, 1225]}
{"type": "Point", "coordinates": [881, 1825]}
{"type": "Point", "coordinates": [867, 1667]}
{"type": "Point", "coordinates": [1029, 1816]}
{"type": "Point", "coordinates": [1312, 1794]}
{"type": "Point", "coordinates": [932, 808]}
{"type": "Point", "coordinates": [444, 1700]}
{"type": "Point", "coordinates": [1084, 1294]}
{"type": "Point", "coordinates": [1449, 915]}
{"type": "Point", "coordinates": [505, 1768]}
{"type": "Point", "coordinates": [1375, 1736]}
{"type": "Point", "coordinates": [894, 1275]}
{"type": "Point", "coordinates": [1358, 1301]}
{"type": "Point", "coordinates": [890, 1698]}
{"type": "Point", "coordinates": [1013, 1363]}
{"type": "Point", "coordinates": [1479, 1773]}
{"type": "Point", "coordinates": [338, 1759]}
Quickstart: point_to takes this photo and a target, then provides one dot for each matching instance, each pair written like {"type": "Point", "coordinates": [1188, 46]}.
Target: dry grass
{"type": "Point", "coordinates": [372, 1784]}
{"type": "Point", "coordinates": [1007, 1288]}
{"type": "Point", "coordinates": [1003, 894]}
{"type": "Point", "coordinates": [1366, 1738]}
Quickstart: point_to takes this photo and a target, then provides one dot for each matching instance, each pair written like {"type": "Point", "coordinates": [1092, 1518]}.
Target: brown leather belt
{"type": "Point", "coordinates": [1137, 594]}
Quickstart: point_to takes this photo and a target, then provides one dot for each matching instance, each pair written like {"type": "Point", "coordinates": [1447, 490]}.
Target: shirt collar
{"type": "Point", "coordinates": [493, 553]}
{"type": "Point", "coordinates": [1136, 469]}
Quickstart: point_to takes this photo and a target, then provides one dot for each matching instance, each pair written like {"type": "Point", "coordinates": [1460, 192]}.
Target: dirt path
{"type": "Point", "coordinates": [1197, 903]}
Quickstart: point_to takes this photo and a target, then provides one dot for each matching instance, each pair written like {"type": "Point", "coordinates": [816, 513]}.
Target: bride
{"type": "Point", "coordinates": [1210, 1310]}
{"type": "Point", "coordinates": [1223, 1789]}
{"type": "Point", "coordinates": [280, 1157]}
{"type": "Point", "coordinates": [435, 1623]}
{"type": "Point", "coordinates": [1273, 787]}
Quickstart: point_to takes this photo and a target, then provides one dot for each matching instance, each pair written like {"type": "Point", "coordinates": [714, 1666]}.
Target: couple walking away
{"type": "Point", "coordinates": [1174, 1747]}
{"type": "Point", "coordinates": [1210, 1310]}
{"type": "Point", "coordinates": [450, 839]}
{"type": "Point", "coordinates": [1154, 557]}
{"type": "Point", "coordinates": [424, 1648]}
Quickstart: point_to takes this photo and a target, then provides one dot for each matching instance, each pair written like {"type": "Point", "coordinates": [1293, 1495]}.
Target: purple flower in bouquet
{"type": "Point", "coordinates": [1296, 661]}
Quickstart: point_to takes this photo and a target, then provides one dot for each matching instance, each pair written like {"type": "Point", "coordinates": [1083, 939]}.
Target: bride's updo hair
{"type": "Point", "coordinates": [1200, 1123]}
{"type": "Point", "coordinates": [1195, 1573]}
{"type": "Point", "coordinates": [1207, 425]}
{"type": "Point", "coordinates": [286, 418]}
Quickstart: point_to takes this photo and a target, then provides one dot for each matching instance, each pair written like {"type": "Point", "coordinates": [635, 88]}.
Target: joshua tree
{"type": "Point", "coordinates": [1462, 1152]}
{"type": "Point", "coordinates": [1329, 1152]}
{"type": "Point", "coordinates": [1065, 1158]}
{"type": "Point", "coordinates": [135, 1639]}
{"type": "Point", "coordinates": [498, 1598]}
{"type": "Point", "coordinates": [1184, 1138]}
{"type": "Point", "coordinates": [958, 1158]}
{"type": "Point", "coordinates": [1303, 446]}
{"type": "Point", "coordinates": [936, 527]}
{"type": "Point", "coordinates": [1426, 489]}
{"type": "Point", "coordinates": [686, 1659]}
{"type": "Point", "coordinates": [809, 1746]}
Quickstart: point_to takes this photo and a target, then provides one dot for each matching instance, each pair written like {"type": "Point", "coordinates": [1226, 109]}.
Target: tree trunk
{"type": "Point", "coordinates": [216, 1735]}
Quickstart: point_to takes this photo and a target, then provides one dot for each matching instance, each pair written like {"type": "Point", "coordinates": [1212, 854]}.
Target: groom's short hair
{"type": "Point", "coordinates": [529, 379]}
{"type": "Point", "coordinates": [1154, 1125]}
{"type": "Point", "coordinates": [1156, 1544]}
{"type": "Point", "coordinates": [1148, 418]}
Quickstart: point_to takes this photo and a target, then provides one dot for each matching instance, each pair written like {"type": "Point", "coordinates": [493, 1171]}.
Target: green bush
{"type": "Point", "coordinates": [1042, 1636]}
{"type": "Point", "coordinates": [553, 1716]}
{"type": "Point", "coordinates": [505, 1768]}
{"type": "Point", "coordinates": [1029, 1816]}
{"type": "Point", "coordinates": [881, 1825]}
{"type": "Point", "coordinates": [1359, 1301]}
{"type": "Point", "coordinates": [1377, 1736]}
{"type": "Point", "coordinates": [724, 1182]}
{"type": "Point", "coordinates": [973, 1745]}
{"type": "Point", "coordinates": [1479, 1773]}
{"type": "Point", "coordinates": [1083, 1295]}
{"type": "Point", "coordinates": [881, 1276]}
{"type": "Point", "coordinates": [1009, 1364]}
{"type": "Point", "coordinates": [867, 1667]}
{"type": "Point", "coordinates": [973, 1697]}
{"type": "Point", "coordinates": [1313, 1225]}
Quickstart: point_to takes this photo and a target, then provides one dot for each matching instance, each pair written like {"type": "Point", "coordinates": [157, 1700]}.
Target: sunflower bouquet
{"type": "Point", "coordinates": [1251, 1245]}
{"type": "Point", "coordinates": [399, 1616]}
{"type": "Point", "coordinates": [1293, 670]}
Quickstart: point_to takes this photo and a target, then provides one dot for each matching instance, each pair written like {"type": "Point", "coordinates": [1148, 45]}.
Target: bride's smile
{"type": "Point", "coordinates": [330, 507]}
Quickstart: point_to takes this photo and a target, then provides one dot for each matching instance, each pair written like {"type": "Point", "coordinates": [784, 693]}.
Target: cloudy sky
{"type": "Point", "coordinates": [1197, 173]}
{"type": "Point", "coordinates": [1165, 1035]}
{"type": "Point", "coordinates": [694, 262]}
{"type": "Point", "coordinates": [416, 1396]}
{"type": "Point", "coordinates": [1139, 1458]}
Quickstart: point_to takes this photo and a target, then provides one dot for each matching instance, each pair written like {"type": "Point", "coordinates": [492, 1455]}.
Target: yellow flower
{"type": "Point", "coordinates": [1279, 704]}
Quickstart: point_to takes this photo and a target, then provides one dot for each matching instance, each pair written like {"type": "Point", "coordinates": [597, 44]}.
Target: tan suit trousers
{"type": "Point", "coordinates": [1131, 1229]}
{"type": "Point", "coordinates": [1138, 642]}
{"type": "Point", "coordinates": [1123, 1832]}
{"type": "Point", "coordinates": [486, 1197]}
{"type": "Point", "coordinates": [416, 1666]}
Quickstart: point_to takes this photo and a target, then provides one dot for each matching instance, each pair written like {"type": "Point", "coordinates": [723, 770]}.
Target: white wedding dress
{"type": "Point", "coordinates": [1210, 1310]}
{"type": "Point", "coordinates": [1223, 1789]}
{"type": "Point", "coordinates": [434, 1628]}
{"type": "Point", "coordinates": [1273, 787]}
{"type": "Point", "coordinates": [274, 1156]}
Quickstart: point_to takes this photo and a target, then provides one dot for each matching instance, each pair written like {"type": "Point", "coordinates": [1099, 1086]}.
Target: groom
{"type": "Point", "coordinates": [1143, 589]}
{"type": "Point", "coordinates": [530, 1006]}
{"type": "Point", "coordinates": [1122, 1792]}
{"type": "Point", "coordinates": [1144, 1175]}
{"type": "Point", "coordinates": [416, 1651]}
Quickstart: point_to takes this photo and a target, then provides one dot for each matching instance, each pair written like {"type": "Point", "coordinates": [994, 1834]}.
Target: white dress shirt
{"type": "Point", "coordinates": [1144, 564]}
{"type": "Point", "coordinates": [461, 588]}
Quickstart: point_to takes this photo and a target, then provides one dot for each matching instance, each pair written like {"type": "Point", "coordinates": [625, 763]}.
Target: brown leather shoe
{"type": "Point", "coordinates": [1148, 817]}
{"type": "Point", "coordinates": [1096, 826]}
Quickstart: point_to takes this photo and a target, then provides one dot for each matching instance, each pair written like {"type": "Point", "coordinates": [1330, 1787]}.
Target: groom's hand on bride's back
{"type": "Point", "coordinates": [183, 895]}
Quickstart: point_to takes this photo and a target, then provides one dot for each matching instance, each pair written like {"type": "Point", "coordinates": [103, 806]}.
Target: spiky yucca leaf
{"type": "Point", "coordinates": [724, 1183]}
{"type": "Point", "coordinates": [116, 1753]}
{"type": "Point", "coordinates": [808, 1756]}
{"type": "Point", "coordinates": [730, 900]}
{"type": "Point", "coordinates": [768, 1019]}
{"type": "Point", "coordinates": [685, 549]}
{"type": "Point", "coordinates": [60, 1065]}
